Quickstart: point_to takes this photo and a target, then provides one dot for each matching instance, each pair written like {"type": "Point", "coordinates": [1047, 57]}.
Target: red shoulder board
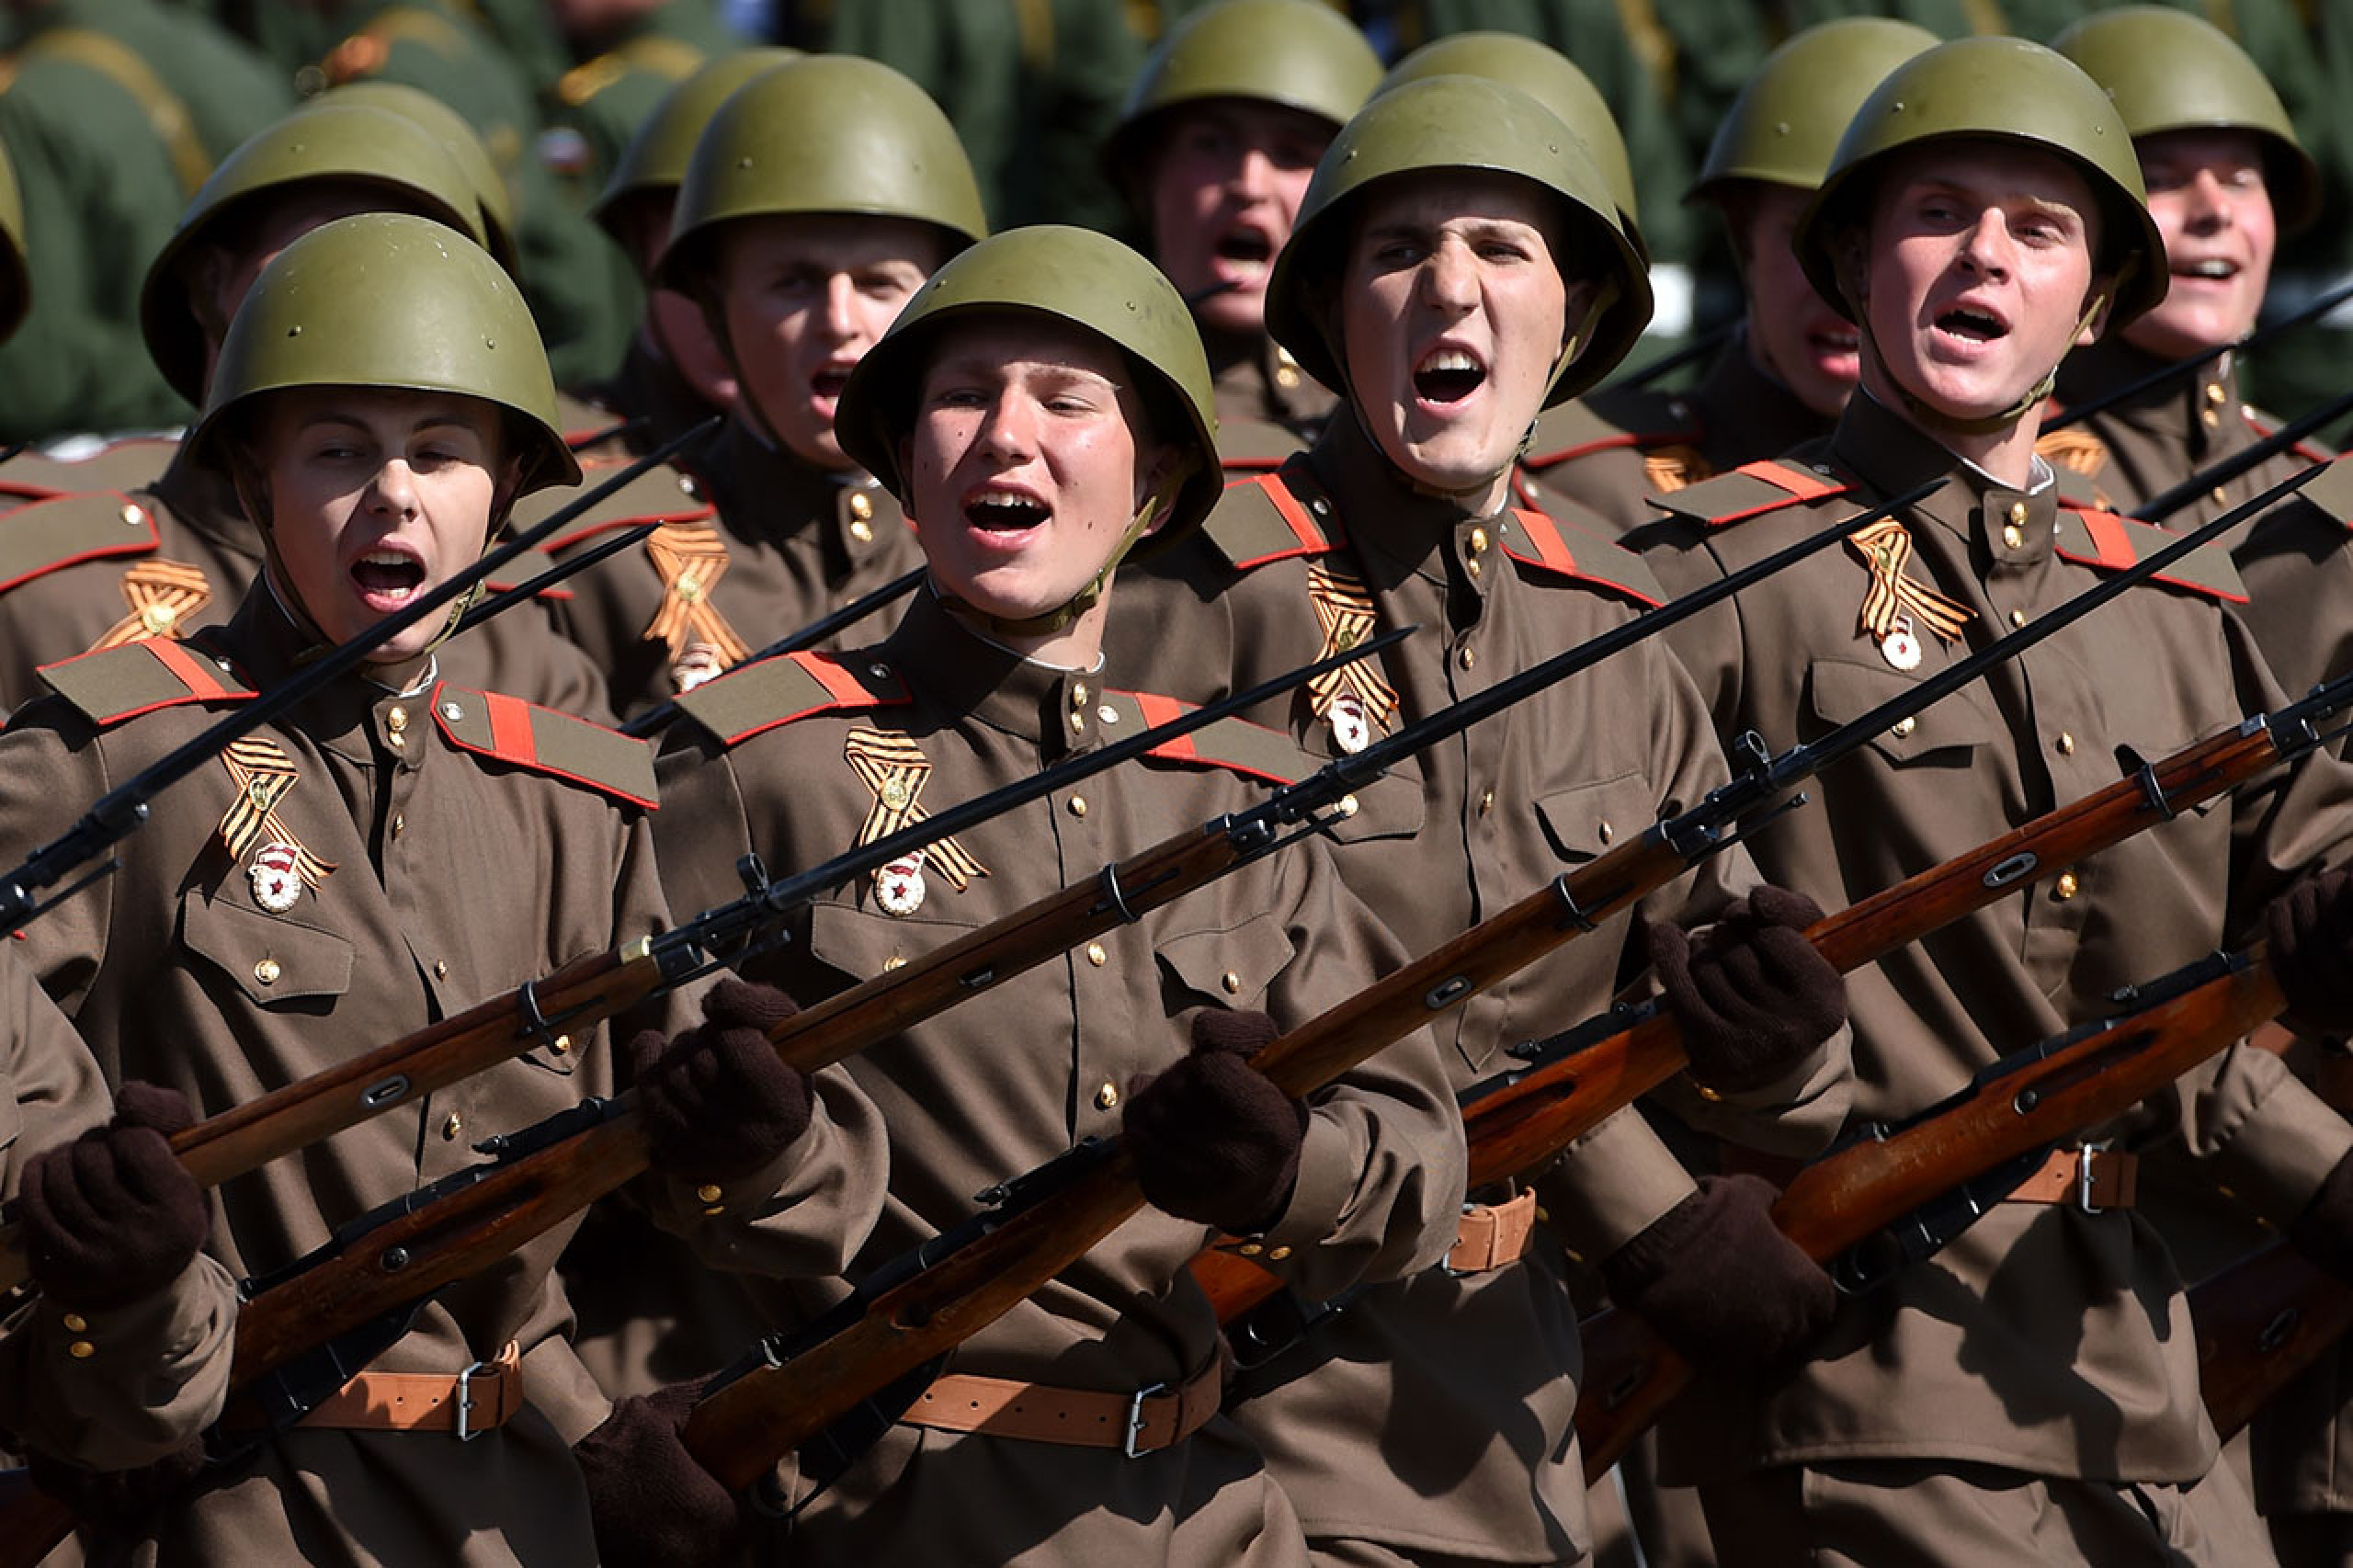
{"type": "Point", "coordinates": [1578, 429]}
{"type": "Point", "coordinates": [1236, 745]}
{"type": "Point", "coordinates": [2331, 490]}
{"type": "Point", "coordinates": [540, 740]}
{"type": "Point", "coordinates": [2265, 426]}
{"type": "Point", "coordinates": [760, 695]}
{"type": "Point", "coordinates": [1534, 538]}
{"type": "Point", "coordinates": [116, 684]}
{"type": "Point", "coordinates": [1260, 520]}
{"type": "Point", "coordinates": [1749, 491]}
{"type": "Point", "coordinates": [2111, 543]}
{"type": "Point", "coordinates": [41, 537]}
{"type": "Point", "coordinates": [657, 495]}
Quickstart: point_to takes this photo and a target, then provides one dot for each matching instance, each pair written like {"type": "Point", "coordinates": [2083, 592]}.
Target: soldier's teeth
{"type": "Point", "coordinates": [2209, 268]}
{"type": "Point", "coordinates": [1450, 359]}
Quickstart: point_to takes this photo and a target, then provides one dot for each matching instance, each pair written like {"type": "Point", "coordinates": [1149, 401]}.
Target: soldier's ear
{"type": "Point", "coordinates": [2098, 305]}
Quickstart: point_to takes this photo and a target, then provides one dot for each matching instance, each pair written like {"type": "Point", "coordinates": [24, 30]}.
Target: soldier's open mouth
{"type": "Point", "coordinates": [1247, 246]}
{"type": "Point", "coordinates": [2214, 269]}
{"type": "Point", "coordinates": [1975, 326]}
{"type": "Point", "coordinates": [1447, 375]}
{"type": "Point", "coordinates": [1003, 511]}
{"type": "Point", "coordinates": [387, 575]}
{"type": "Point", "coordinates": [828, 382]}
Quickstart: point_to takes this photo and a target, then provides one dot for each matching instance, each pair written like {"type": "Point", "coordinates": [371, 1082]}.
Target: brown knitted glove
{"type": "Point", "coordinates": [112, 1217]}
{"type": "Point", "coordinates": [717, 1101]}
{"type": "Point", "coordinates": [1753, 995]}
{"type": "Point", "coordinates": [1727, 1291]}
{"type": "Point", "coordinates": [1214, 1140]}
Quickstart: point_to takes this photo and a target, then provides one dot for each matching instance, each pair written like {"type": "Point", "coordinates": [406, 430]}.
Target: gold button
{"type": "Point", "coordinates": [1095, 955]}
{"type": "Point", "coordinates": [862, 531]}
{"type": "Point", "coordinates": [1077, 721]}
{"type": "Point", "coordinates": [2017, 617]}
{"type": "Point", "coordinates": [1251, 1249]}
{"type": "Point", "coordinates": [1108, 1095]}
{"type": "Point", "coordinates": [895, 961]}
{"type": "Point", "coordinates": [1078, 694]}
{"type": "Point", "coordinates": [75, 1323]}
{"type": "Point", "coordinates": [561, 1045]}
{"type": "Point", "coordinates": [451, 1127]}
{"type": "Point", "coordinates": [1348, 805]}
{"type": "Point", "coordinates": [1905, 726]}
{"type": "Point", "coordinates": [2222, 494]}
{"type": "Point", "coordinates": [1478, 541]}
{"type": "Point", "coordinates": [2210, 416]}
{"type": "Point", "coordinates": [1285, 377]}
{"type": "Point", "coordinates": [2012, 537]}
{"type": "Point", "coordinates": [400, 824]}
{"type": "Point", "coordinates": [687, 484]}
{"type": "Point", "coordinates": [1276, 1254]}
{"type": "Point", "coordinates": [2066, 743]}
{"type": "Point", "coordinates": [1604, 830]}
{"type": "Point", "coordinates": [709, 1192]}
{"type": "Point", "coordinates": [1078, 805]}
{"type": "Point", "coordinates": [1472, 566]}
{"type": "Point", "coordinates": [81, 1350]}
{"type": "Point", "coordinates": [441, 969]}
{"type": "Point", "coordinates": [397, 740]}
{"type": "Point", "coordinates": [1487, 802]}
{"type": "Point", "coordinates": [861, 505]}
{"type": "Point", "coordinates": [2018, 513]}
{"type": "Point", "coordinates": [2065, 887]}
{"type": "Point", "coordinates": [1232, 982]}
{"type": "Point", "coordinates": [396, 719]}
{"type": "Point", "coordinates": [2216, 394]}
{"type": "Point", "coordinates": [266, 971]}
{"type": "Point", "coordinates": [1468, 657]}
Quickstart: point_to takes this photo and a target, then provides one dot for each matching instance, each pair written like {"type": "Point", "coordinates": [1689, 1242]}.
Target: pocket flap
{"type": "Point", "coordinates": [1840, 690]}
{"type": "Point", "coordinates": [269, 957]}
{"type": "Point", "coordinates": [1585, 820]}
{"type": "Point", "coordinates": [1229, 966]}
{"type": "Point", "coordinates": [862, 943]}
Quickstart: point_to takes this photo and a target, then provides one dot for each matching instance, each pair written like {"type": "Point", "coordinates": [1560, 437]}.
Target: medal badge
{"type": "Point", "coordinates": [1353, 700]}
{"type": "Point", "coordinates": [276, 876]}
{"type": "Point", "coordinates": [700, 662]}
{"type": "Point", "coordinates": [898, 887]}
{"type": "Point", "coordinates": [1899, 647]}
{"type": "Point", "coordinates": [1895, 600]}
{"type": "Point", "coordinates": [1351, 728]}
{"type": "Point", "coordinates": [894, 767]}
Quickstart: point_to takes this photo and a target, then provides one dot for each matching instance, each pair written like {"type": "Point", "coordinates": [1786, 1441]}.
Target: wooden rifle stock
{"type": "Point", "coordinates": [740, 1431]}
{"type": "Point", "coordinates": [2260, 1323]}
{"type": "Point", "coordinates": [2028, 1102]}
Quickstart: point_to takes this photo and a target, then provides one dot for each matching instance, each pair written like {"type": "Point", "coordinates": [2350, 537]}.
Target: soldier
{"type": "Point", "coordinates": [205, 90]}
{"type": "Point", "coordinates": [423, 845]}
{"type": "Point", "coordinates": [2226, 179]}
{"type": "Point", "coordinates": [146, 554]}
{"type": "Point", "coordinates": [631, 54]}
{"type": "Point", "coordinates": [1042, 406]}
{"type": "Point", "coordinates": [2030, 1394]}
{"type": "Point", "coordinates": [1792, 362]}
{"type": "Point", "coordinates": [819, 199]}
{"type": "Point", "coordinates": [1214, 148]}
{"type": "Point", "coordinates": [1457, 264]}
{"type": "Point", "coordinates": [674, 374]}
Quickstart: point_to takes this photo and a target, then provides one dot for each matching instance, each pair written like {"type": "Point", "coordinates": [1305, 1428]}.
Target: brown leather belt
{"type": "Point", "coordinates": [1135, 1424]}
{"type": "Point", "coordinates": [2092, 1179]}
{"type": "Point", "coordinates": [483, 1397]}
{"type": "Point", "coordinates": [1492, 1234]}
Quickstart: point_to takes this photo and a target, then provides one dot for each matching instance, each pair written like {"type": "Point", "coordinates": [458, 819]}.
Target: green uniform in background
{"type": "Point", "coordinates": [204, 88]}
{"type": "Point", "coordinates": [619, 79]}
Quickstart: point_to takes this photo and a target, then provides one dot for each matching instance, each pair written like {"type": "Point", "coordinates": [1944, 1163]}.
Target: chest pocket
{"type": "Point", "coordinates": [859, 944]}
{"type": "Point", "coordinates": [1585, 821]}
{"type": "Point", "coordinates": [1839, 690]}
{"type": "Point", "coordinates": [1390, 807]}
{"type": "Point", "coordinates": [273, 960]}
{"type": "Point", "coordinates": [1229, 966]}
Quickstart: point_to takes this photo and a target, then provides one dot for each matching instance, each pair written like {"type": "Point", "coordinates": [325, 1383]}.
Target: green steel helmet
{"type": "Point", "coordinates": [1550, 78]}
{"type": "Point", "coordinates": [388, 299]}
{"type": "Point", "coordinates": [461, 141]}
{"type": "Point", "coordinates": [2002, 90]}
{"type": "Point", "coordinates": [1295, 54]}
{"type": "Point", "coordinates": [2167, 70]}
{"type": "Point", "coordinates": [1074, 275]}
{"type": "Point", "coordinates": [823, 134]}
{"type": "Point", "coordinates": [1448, 125]}
{"type": "Point", "coordinates": [655, 162]}
{"type": "Point", "coordinates": [1785, 124]}
{"type": "Point", "coordinates": [15, 277]}
{"type": "Point", "coordinates": [339, 143]}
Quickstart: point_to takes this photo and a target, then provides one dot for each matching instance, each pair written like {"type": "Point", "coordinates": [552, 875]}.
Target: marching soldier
{"type": "Point", "coordinates": [818, 200]}
{"type": "Point", "coordinates": [1792, 362]}
{"type": "Point", "coordinates": [2031, 1393]}
{"type": "Point", "coordinates": [388, 852]}
{"type": "Point", "coordinates": [1214, 147]}
{"type": "Point", "coordinates": [2226, 178]}
{"type": "Point", "coordinates": [205, 90]}
{"type": "Point", "coordinates": [158, 554]}
{"type": "Point", "coordinates": [1458, 263]}
{"type": "Point", "coordinates": [1041, 406]}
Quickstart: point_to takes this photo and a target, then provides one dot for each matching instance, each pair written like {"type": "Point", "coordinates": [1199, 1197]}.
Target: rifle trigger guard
{"type": "Point", "coordinates": [2145, 775]}
{"type": "Point", "coordinates": [536, 1026]}
{"type": "Point", "coordinates": [1577, 915]}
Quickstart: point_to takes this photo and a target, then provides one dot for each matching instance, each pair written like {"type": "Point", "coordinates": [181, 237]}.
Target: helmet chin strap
{"type": "Point", "coordinates": [1157, 505]}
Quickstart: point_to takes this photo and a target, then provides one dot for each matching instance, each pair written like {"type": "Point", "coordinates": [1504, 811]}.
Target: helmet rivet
{"type": "Point", "coordinates": [742, 163]}
{"type": "Point", "coordinates": [490, 343]}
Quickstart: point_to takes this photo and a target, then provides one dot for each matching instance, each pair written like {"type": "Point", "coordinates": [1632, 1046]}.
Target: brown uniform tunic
{"type": "Point", "coordinates": [98, 567]}
{"type": "Point", "coordinates": [1267, 406]}
{"type": "Point", "coordinates": [2134, 449]}
{"type": "Point", "coordinates": [128, 1385]}
{"type": "Point", "coordinates": [1435, 1415]}
{"type": "Point", "coordinates": [1613, 449]}
{"type": "Point", "coordinates": [787, 544]}
{"type": "Point", "coordinates": [477, 843]}
{"type": "Point", "coordinates": [1019, 1074]}
{"type": "Point", "coordinates": [2045, 1340]}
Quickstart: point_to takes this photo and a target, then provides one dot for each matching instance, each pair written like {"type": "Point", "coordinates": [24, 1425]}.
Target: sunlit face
{"type": "Point", "coordinates": [2207, 193]}
{"type": "Point", "coordinates": [1792, 332]}
{"type": "Point", "coordinates": [1030, 456]}
{"type": "Point", "coordinates": [1977, 268]}
{"type": "Point", "coordinates": [803, 298]}
{"type": "Point", "coordinates": [1223, 191]}
{"type": "Point", "coordinates": [375, 497]}
{"type": "Point", "coordinates": [1452, 314]}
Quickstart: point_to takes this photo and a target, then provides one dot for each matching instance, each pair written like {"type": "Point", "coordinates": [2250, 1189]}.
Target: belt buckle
{"type": "Point", "coordinates": [2084, 1176]}
{"type": "Point", "coordinates": [466, 1399]}
{"type": "Point", "coordinates": [1135, 1419]}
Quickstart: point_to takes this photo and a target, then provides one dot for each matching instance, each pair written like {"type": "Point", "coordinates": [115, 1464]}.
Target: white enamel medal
{"type": "Point", "coordinates": [277, 877]}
